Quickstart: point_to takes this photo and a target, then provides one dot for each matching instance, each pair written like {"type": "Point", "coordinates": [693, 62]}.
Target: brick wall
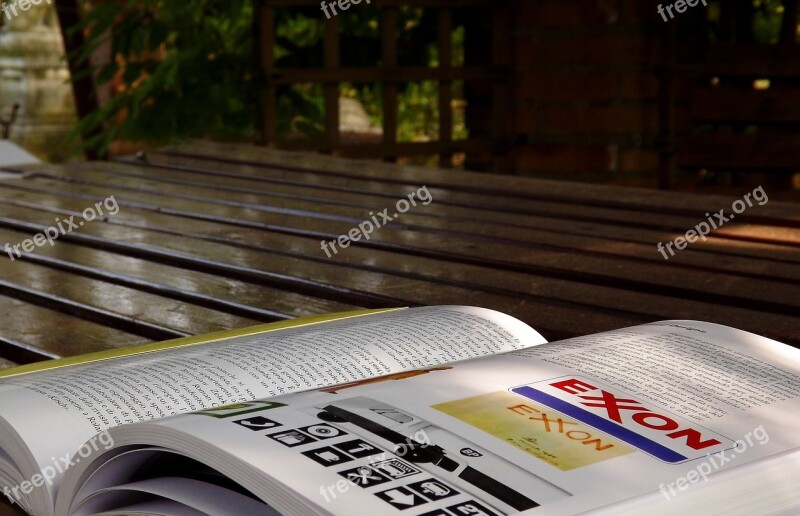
{"type": "Point", "coordinates": [584, 103]}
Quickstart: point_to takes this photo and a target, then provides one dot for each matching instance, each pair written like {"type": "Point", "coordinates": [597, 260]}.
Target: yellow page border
{"type": "Point", "coordinates": [193, 340]}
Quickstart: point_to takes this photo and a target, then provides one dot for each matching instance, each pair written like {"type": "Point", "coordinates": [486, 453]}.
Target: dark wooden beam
{"type": "Point", "coordinates": [83, 87]}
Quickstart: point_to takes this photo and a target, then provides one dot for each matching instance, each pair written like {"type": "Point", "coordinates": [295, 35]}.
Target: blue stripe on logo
{"type": "Point", "coordinates": [620, 432]}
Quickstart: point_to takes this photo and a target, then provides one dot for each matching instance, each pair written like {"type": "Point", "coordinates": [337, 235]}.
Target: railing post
{"type": "Point", "coordinates": [266, 53]}
{"type": "Point", "coordinates": [445, 30]}
{"type": "Point", "coordinates": [331, 89]}
{"type": "Point", "coordinates": [389, 52]}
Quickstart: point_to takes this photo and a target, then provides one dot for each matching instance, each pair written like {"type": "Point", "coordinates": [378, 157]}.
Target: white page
{"type": "Point", "coordinates": [85, 399]}
{"type": "Point", "coordinates": [205, 498]}
{"type": "Point", "coordinates": [491, 415]}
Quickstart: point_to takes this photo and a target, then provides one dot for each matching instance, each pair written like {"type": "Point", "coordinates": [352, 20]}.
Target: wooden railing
{"type": "Point", "coordinates": [390, 74]}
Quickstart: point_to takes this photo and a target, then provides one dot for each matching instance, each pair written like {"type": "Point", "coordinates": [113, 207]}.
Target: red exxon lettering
{"type": "Point", "coordinates": [613, 405]}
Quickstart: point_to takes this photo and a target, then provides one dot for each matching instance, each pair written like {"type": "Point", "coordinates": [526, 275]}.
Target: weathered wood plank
{"type": "Point", "coordinates": [389, 74]}
{"type": "Point", "coordinates": [239, 298]}
{"type": "Point", "coordinates": [512, 186]}
{"type": "Point", "coordinates": [50, 334]}
{"type": "Point", "coordinates": [244, 263]}
{"type": "Point", "coordinates": [145, 314]}
{"type": "Point", "coordinates": [528, 289]}
{"type": "Point", "coordinates": [597, 268]}
{"type": "Point", "coordinates": [757, 224]}
{"type": "Point", "coordinates": [477, 221]}
{"type": "Point", "coordinates": [772, 222]}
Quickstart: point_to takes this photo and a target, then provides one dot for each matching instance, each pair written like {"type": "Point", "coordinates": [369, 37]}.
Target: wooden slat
{"type": "Point", "coordinates": [454, 219]}
{"type": "Point", "coordinates": [252, 269]}
{"type": "Point", "coordinates": [330, 90]}
{"type": "Point", "coordinates": [266, 50]}
{"type": "Point", "coordinates": [207, 230]}
{"type": "Point", "coordinates": [125, 308]}
{"type": "Point", "coordinates": [518, 188]}
{"type": "Point", "coordinates": [542, 256]}
{"type": "Point", "coordinates": [191, 253]}
{"type": "Point", "coordinates": [768, 223]}
{"type": "Point", "coordinates": [501, 60]}
{"type": "Point", "coordinates": [256, 302]}
{"type": "Point", "coordinates": [699, 261]}
{"type": "Point", "coordinates": [445, 36]}
{"type": "Point", "coordinates": [390, 73]}
{"type": "Point", "coordinates": [550, 218]}
{"type": "Point", "coordinates": [380, 150]}
{"type": "Point", "coordinates": [33, 333]}
{"type": "Point", "coordinates": [388, 26]}
{"type": "Point", "coordinates": [83, 84]}
{"type": "Point", "coordinates": [667, 87]}
{"type": "Point", "coordinates": [395, 3]}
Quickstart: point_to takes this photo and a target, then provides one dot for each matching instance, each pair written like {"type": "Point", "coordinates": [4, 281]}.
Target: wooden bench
{"type": "Point", "coordinates": [213, 236]}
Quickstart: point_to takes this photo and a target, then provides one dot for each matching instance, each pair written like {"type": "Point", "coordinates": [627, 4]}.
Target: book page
{"type": "Point", "coordinates": [83, 400]}
{"type": "Point", "coordinates": [563, 428]}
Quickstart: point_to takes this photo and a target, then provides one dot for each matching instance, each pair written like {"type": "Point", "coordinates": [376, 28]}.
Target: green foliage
{"type": "Point", "coordinates": [768, 20]}
{"type": "Point", "coordinates": [299, 37]}
{"type": "Point", "coordinates": [186, 68]}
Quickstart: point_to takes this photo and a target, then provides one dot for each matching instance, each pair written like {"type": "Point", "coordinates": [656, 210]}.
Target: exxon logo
{"type": "Point", "coordinates": [653, 430]}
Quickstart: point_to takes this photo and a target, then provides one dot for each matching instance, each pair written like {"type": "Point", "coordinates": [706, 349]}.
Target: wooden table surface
{"type": "Point", "coordinates": [216, 236]}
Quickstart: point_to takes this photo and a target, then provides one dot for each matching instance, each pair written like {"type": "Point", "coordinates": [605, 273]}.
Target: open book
{"type": "Point", "coordinates": [436, 411]}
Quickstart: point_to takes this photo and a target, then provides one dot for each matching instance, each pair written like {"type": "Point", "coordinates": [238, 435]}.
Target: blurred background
{"type": "Point", "coordinates": [602, 91]}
